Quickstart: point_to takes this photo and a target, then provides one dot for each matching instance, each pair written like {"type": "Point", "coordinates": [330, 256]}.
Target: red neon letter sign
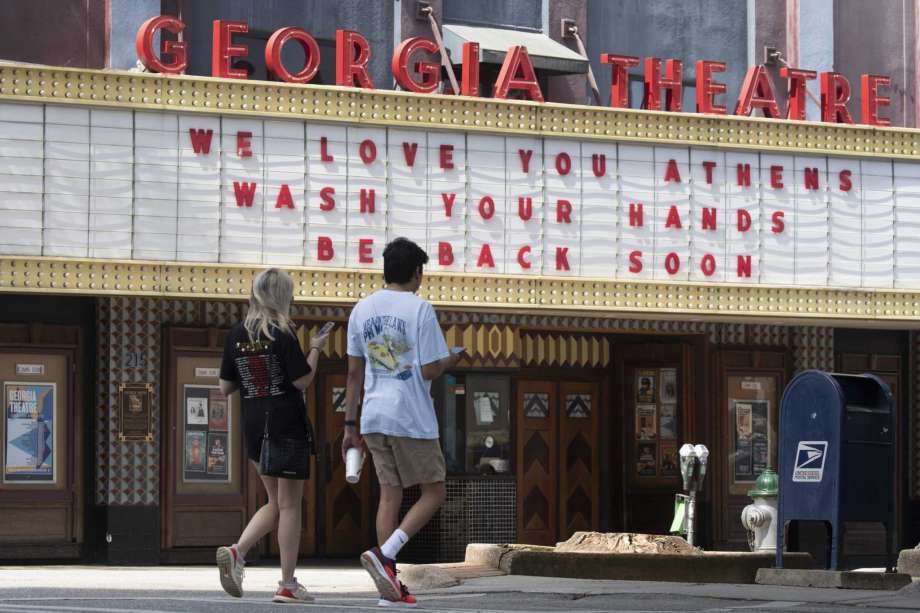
{"type": "Point", "coordinates": [619, 82]}
{"type": "Point", "coordinates": [797, 92]}
{"type": "Point", "coordinates": [223, 51]}
{"type": "Point", "coordinates": [706, 88]}
{"type": "Point", "coordinates": [352, 54]}
{"type": "Point", "coordinates": [671, 81]}
{"type": "Point", "coordinates": [757, 92]}
{"type": "Point", "coordinates": [430, 71]}
{"type": "Point", "coordinates": [835, 93]}
{"type": "Point", "coordinates": [310, 51]}
{"type": "Point", "coordinates": [869, 84]}
{"type": "Point", "coordinates": [143, 43]}
{"type": "Point", "coordinates": [517, 61]}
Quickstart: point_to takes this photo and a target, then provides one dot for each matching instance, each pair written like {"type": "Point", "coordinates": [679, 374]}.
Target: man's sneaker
{"type": "Point", "coordinates": [383, 571]}
{"type": "Point", "coordinates": [297, 593]}
{"type": "Point", "coordinates": [232, 568]}
{"type": "Point", "coordinates": [407, 601]}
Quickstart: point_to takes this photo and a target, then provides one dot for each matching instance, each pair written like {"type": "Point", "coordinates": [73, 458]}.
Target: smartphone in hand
{"type": "Point", "coordinates": [327, 328]}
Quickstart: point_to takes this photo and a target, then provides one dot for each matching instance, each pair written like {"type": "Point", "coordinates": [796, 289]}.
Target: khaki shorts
{"type": "Point", "coordinates": [404, 462]}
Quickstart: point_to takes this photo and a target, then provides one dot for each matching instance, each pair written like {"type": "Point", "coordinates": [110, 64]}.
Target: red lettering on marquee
{"type": "Point", "coordinates": [709, 167]}
{"type": "Point", "coordinates": [430, 71]}
{"type": "Point", "coordinates": [352, 54]}
{"type": "Point", "coordinates": [525, 250]}
{"type": "Point", "coordinates": [744, 220]}
{"type": "Point", "coordinates": [485, 257]}
{"type": "Point", "coordinates": [324, 249]}
{"type": "Point", "coordinates": [671, 82]}
{"type": "Point", "coordinates": [672, 173]}
{"type": "Point", "coordinates": [635, 261]}
{"type": "Point", "coordinates": [635, 214]}
{"type": "Point", "coordinates": [487, 207]}
{"type": "Point", "coordinates": [201, 140]}
{"type": "Point", "coordinates": [744, 266]}
{"type": "Point", "coordinates": [367, 198]}
{"type": "Point", "coordinates": [517, 61]}
{"type": "Point", "coordinates": [707, 88]}
{"type": "Point", "coordinates": [525, 208]}
{"type": "Point", "coordinates": [324, 154]}
{"type": "Point", "coordinates": [776, 177]}
{"type": "Point", "coordinates": [870, 100]}
{"type": "Point", "coordinates": [328, 202]}
{"type": "Point", "coordinates": [445, 254]}
{"type": "Point", "coordinates": [307, 43]}
{"type": "Point", "coordinates": [365, 250]}
{"type": "Point", "coordinates": [599, 164]}
{"type": "Point", "coordinates": [710, 215]}
{"type": "Point", "coordinates": [811, 178]}
{"type": "Point", "coordinates": [223, 51]}
{"type": "Point", "coordinates": [409, 151]}
{"type": "Point", "coordinates": [708, 265]}
{"type": "Point", "coordinates": [244, 192]}
{"type": "Point", "coordinates": [563, 211]}
{"type": "Point", "coordinates": [367, 150]}
{"type": "Point", "coordinates": [284, 197]}
{"type": "Point", "coordinates": [778, 224]}
{"type": "Point", "coordinates": [673, 220]}
{"type": "Point", "coordinates": [835, 93]}
{"type": "Point", "coordinates": [143, 44]}
{"type": "Point", "coordinates": [525, 156]}
{"type": "Point", "coordinates": [846, 184]}
{"type": "Point", "coordinates": [672, 263]}
{"type": "Point", "coordinates": [744, 175]}
{"type": "Point", "coordinates": [448, 200]}
{"type": "Point", "coordinates": [798, 93]}
{"type": "Point", "coordinates": [244, 144]}
{"type": "Point", "coordinates": [563, 163]}
{"type": "Point", "coordinates": [619, 81]}
{"type": "Point", "coordinates": [446, 156]}
{"type": "Point", "coordinates": [469, 80]}
{"type": "Point", "coordinates": [562, 258]}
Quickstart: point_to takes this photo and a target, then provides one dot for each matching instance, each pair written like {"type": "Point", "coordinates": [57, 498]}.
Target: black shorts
{"type": "Point", "coordinates": [285, 420]}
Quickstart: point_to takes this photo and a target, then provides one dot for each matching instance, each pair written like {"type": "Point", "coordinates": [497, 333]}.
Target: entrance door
{"type": "Point", "coordinates": [348, 508]}
{"type": "Point", "coordinates": [653, 427]}
{"type": "Point", "coordinates": [557, 460]}
{"type": "Point", "coordinates": [40, 502]}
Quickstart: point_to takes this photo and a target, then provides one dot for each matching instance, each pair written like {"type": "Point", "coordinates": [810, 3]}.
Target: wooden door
{"type": "Point", "coordinates": [655, 410]}
{"type": "Point", "coordinates": [579, 503]}
{"type": "Point", "coordinates": [536, 462]}
{"type": "Point", "coordinates": [348, 508]}
{"type": "Point", "coordinates": [40, 502]}
{"type": "Point", "coordinates": [751, 384]}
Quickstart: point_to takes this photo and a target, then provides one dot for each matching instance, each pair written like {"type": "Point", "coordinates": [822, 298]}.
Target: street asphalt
{"type": "Point", "coordinates": [79, 589]}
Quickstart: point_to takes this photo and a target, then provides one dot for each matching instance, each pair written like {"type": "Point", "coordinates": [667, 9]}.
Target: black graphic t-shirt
{"type": "Point", "coordinates": [264, 368]}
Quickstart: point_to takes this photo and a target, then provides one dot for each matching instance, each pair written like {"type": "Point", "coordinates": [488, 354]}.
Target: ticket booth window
{"type": "Point", "coordinates": [474, 416]}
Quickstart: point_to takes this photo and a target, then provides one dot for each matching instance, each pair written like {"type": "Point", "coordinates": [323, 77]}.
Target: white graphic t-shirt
{"type": "Point", "coordinates": [396, 333]}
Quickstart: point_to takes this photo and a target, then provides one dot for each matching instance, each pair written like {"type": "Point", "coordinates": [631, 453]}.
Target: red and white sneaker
{"type": "Point", "coordinates": [406, 601]}
{"type": "Point", "coordinates": [295, 593]}
{"type": "Point", "coordinates": [232, 568]}
{"type": "Point", "coordinates": [383, 571]}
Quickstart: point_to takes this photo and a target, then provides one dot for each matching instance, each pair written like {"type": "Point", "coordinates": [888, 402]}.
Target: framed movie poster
{"type": "Point", "coordinates": [751, 438]}
{"type": "Point", "coordinates": [670, 463]}
{"type": "Point", "coordinates": [646, 422]}
{"type": "Point", "coordinates": [29, 435]}
{"type": "Point", "coordinates": [645, 386]}
{"type": "Point", "coordinates": [135, 419]}
{"type": "Point", "coordinates": [206, 431]}
{"type": "Point", "coordinates": [646, 462]}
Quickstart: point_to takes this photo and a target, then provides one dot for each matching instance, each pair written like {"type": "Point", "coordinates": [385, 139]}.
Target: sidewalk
{"type": "Point", "coordinates": [195, 589]}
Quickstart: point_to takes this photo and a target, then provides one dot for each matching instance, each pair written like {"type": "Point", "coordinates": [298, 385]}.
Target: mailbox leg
{"type": "Point", "coordinates": [780, 539]}
{"type": "Point", "coordinates": [836, 538]}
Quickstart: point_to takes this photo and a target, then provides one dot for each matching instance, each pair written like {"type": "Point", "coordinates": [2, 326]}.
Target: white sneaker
{"type": "Point", "coordinates": [232, 568]}
{"type": "Point", "coordinates": [298, 593]}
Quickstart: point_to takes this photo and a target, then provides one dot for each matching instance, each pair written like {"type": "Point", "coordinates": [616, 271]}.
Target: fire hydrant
{"type": "Point", "coordinates": [760, 518]}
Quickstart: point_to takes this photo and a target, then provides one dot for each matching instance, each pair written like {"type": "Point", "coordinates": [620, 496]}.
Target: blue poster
{"type": "Point", "coordinates": [29, 432]}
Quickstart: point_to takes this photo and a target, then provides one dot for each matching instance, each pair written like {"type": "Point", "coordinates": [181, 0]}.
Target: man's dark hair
{"type": "Point", "coordinates": [401, 259]}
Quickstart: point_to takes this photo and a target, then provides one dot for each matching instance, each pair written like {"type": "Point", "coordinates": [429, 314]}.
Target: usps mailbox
{"type": "Point", "coordinates": [836, 457]}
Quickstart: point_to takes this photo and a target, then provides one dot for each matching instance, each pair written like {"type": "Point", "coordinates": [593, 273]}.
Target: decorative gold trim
{"type": "Point", "coordinates": [493, 292]}
{"type": "Point", "coordinates": [390, 108]}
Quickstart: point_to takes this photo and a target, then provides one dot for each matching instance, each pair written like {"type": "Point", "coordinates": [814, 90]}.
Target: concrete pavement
{"type": "Point", "coordinates": [90, 589]}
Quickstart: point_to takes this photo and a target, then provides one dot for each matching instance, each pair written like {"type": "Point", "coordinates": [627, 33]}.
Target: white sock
{"type": "Point", "coordinates": [396, 542]}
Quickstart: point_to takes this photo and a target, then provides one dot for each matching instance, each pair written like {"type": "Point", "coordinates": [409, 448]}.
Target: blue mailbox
{"type": "Point", "coordinates": [836, 457]}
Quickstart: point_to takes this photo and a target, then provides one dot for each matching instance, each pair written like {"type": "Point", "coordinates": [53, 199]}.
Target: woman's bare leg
{"type": "Point", "coordinates": [264, 520]}
{"type": "Point", "coordinates": [290, 497]}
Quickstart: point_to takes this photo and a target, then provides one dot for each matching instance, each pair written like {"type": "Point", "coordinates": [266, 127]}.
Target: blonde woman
{"type": "Point", "coordinates": [263, 360]}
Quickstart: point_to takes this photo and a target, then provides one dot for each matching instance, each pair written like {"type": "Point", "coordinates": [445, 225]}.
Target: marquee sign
{"type": "Point", "coordinates": [155, 185]}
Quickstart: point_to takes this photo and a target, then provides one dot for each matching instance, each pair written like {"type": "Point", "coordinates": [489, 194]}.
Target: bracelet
{"type": "Point", "coordinates": [351, 422]}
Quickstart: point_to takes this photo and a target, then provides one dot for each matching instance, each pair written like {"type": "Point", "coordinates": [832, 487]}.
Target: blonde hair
{"type": "Point", "coordinates": [270, 304]}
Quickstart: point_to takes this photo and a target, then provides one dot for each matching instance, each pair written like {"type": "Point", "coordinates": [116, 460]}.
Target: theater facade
{"type": "Point", "coordinates": [624, 282]}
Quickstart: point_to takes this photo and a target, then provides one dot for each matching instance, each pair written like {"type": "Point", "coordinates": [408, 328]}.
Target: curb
{"type": "Point", "coordinates": [712, 567]}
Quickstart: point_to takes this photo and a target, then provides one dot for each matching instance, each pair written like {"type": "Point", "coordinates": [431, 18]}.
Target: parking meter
{"type": "Point", "coordinates": [693, 461]}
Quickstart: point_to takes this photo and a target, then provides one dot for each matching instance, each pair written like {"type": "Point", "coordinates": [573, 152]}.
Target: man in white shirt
{"type": "Point", "coordinates": [395, 349]}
